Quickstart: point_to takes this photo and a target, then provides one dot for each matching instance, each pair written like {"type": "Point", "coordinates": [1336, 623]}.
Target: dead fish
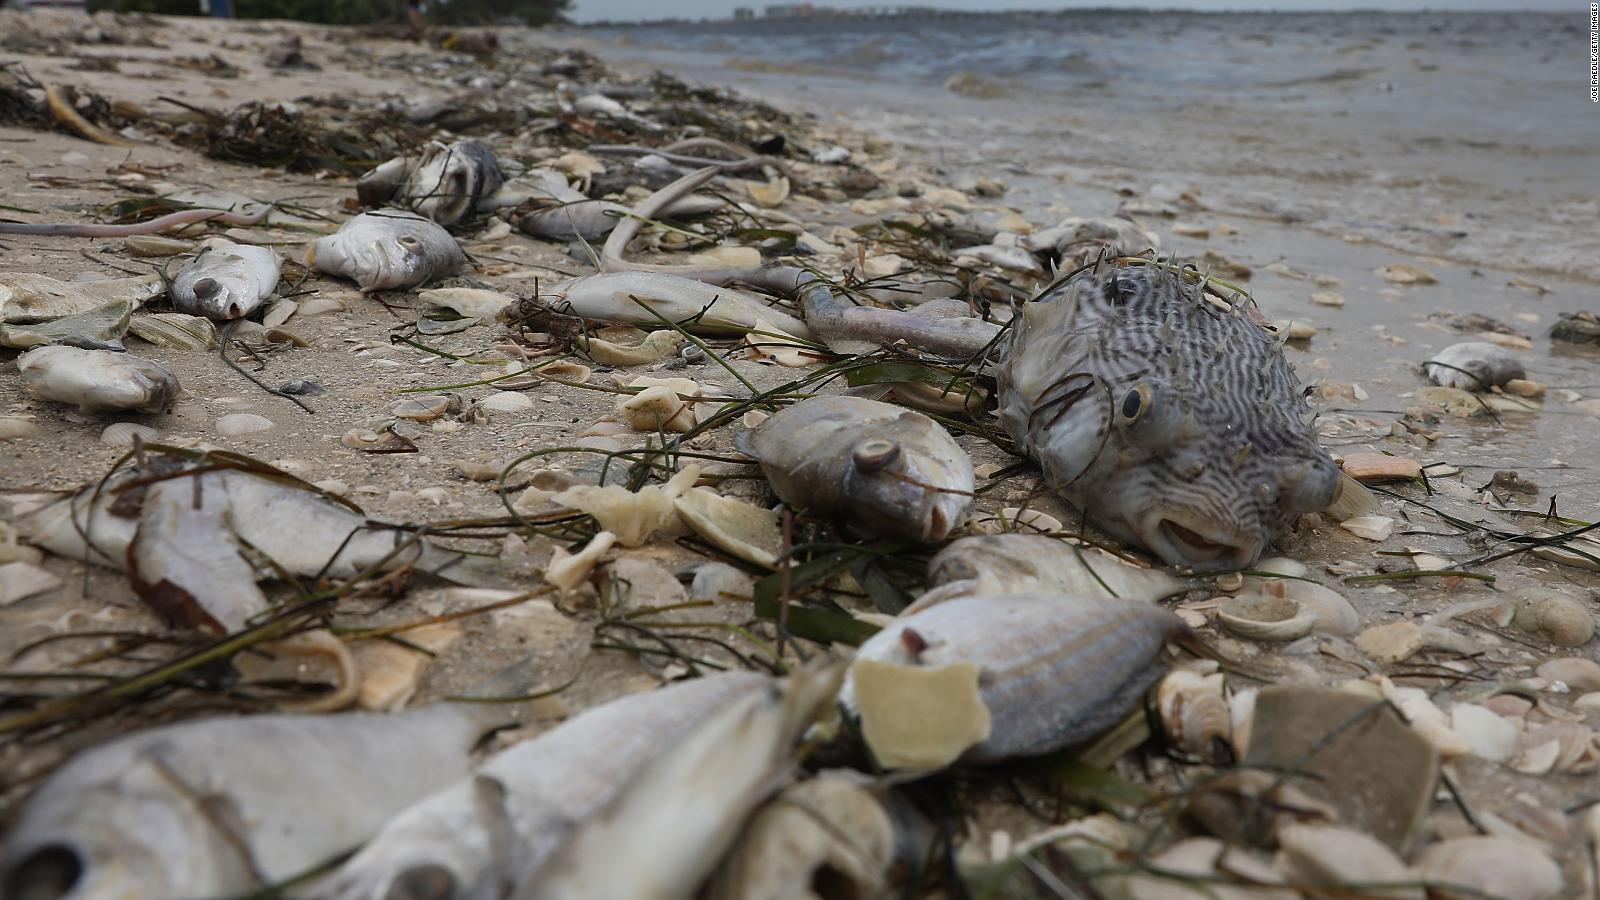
{"type": "Point", "coordinates": [883, 470]}
{"type": "Point", "coordinates": [387, 250]}
{"type": "Point", "coordinates": [220, 807]}
{"type": "Point", "coordinates": [1473, 366]}
{"type": "Point", "coordinates": [226, 280]}
{"type": "Point", "coordinates": [586, 219]}
{"type": "Point", "coordinates": [97, 380]}
{"type": "Point", "coordinates": [1078, 241]}
{"type": "Point", "coordinates": [1172, 418]}
{"type": "Point", "coordinates": [993, 677]}
{"type": "Point", "coordinates": [672, 822]}
{"type": "Point", "coordinates": [474, 839]}
{"type": "Point", "coordinates": [698, 306]}
{"type": "Point", "coordinates": [1037, 564]}
{"type": "Point", "coordinates": [101, 328]}
{"type": "Point", "coordinates": [445, 183]}
{"type": "Point", "coordinates": [25, 297]}
{"type": "Point", "coordinates": [301, 531]}
{"type": "Point", "coordinates": [184, 564]}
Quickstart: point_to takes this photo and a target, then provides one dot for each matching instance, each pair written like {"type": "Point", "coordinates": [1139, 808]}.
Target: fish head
{"type": "Point", "coordinates": [217, 299]}
{"type": "Point", "coordinates": [900, 489]}
{"type": "Point", "coordinates": [1201, 486]}
{"type": "Point", "coordinates": [375, 257]}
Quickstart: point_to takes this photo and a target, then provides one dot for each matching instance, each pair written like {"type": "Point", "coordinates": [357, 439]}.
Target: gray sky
{"type": "Point", "coordinates": [590, 10]}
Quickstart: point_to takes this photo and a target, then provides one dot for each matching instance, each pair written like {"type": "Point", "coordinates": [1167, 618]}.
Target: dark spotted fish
{"type": "Point", "coordinates": [1168, 414]}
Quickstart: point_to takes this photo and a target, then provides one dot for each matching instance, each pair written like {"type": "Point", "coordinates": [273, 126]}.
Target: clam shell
{"type": "Point", "coordinates": [425, 408]}
{"type": "Point", "coordinates": [1194, 715]}
{"type": "Point", "coordinates": [768, 195]}
{"type": "Point", "coordinates": [507, 402]}
{"type": "Point", "coordinates": [1263, 617]}
{"type": "Point", "coordinates": [21, 580]}
{"type": "Point", "coordinates": [179, 331]}
{"type": "Point", "coordinates": [747, 532]}
{"type": "Point", "coordinates": [1576, 672]}
{"type": "Point", "coordinates": [1334, 614]}
{"type": "Point", "coordinates": [1332, 856]}
{"type": "Point", "coordinates": [1493, 866]}
{"type": "Point", "coordinates": [122, 434]}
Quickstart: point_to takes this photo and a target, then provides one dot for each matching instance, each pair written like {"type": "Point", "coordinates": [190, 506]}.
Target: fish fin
{"type": "Point", "coordinates": [1351, 499]}
{"type": "Point", "coordinates": [489, 798]}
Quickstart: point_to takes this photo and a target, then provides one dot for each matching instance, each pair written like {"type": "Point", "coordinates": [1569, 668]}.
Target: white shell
{"type": "Point", "coordinates": [1263, 617]}
{"type": "Point", "coordinates": [238, 424]}
{"type": "Point", "coordinates": [507, 402]}
{"type": "Point", "coordinates": [1498, 867]}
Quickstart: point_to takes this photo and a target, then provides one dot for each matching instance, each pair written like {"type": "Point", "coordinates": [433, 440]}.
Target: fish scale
{"type": "Point", "coordinates": [1173, 420]}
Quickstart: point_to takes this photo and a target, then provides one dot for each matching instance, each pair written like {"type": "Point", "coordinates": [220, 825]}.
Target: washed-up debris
{"type": "Point", "coordinates": [101, 328]}
{"type": "Point", "coordinates": [655, 299]}
{"type": "Point", "coordinates": [1091, 391]}
{"type": "Point", "coordinates": [26, 298]}
{"type": "Point", "coordinates": [226, 280]}
{"type": "Point", "coordinates": [387, 250]}
{"type": "Point", "coordinates": [1473, 366]}
{"type": "Point", "coordinates": [1037, 564]}
{"type": "Point", "coordinates": [121, 818]}
{"type": "Point", "coordinates": [97, 380]}
{"type": "Point", "coordinates": [446, 182]}
{"type": "Point", "coordinates": [179, 331]}
{"type": "Point", "coordinates": [882, 470]}
{"type": "Point", "coordinates": [1577, 328]}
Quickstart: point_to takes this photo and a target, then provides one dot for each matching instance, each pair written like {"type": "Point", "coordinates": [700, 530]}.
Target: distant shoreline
{"type": "Point", "coordinates": [839, 14]}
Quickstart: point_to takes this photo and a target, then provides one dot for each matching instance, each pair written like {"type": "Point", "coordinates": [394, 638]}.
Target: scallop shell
{"type": "Point", "coordinates": [179, 331]}
{"type": "Point", "coordinates": [1489, 866]}
{"type": "Point", "coordinates": [506, 402]}
{"type": "Point", "coordinates": [1194, 715]}
{"type": "Point", "coordinates": [1263, 617]}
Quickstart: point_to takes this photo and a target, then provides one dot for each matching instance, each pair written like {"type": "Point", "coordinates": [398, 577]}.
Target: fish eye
{"type": "Point", "coordinates": [1134, 403]}
{"type": "Point", "coordinates": [409, 242]}
{"type": "Point", "coordinates": [429, 881]}
{"type": "Point", "coordinates": [207, 288]}
{"type": "Point", "coordinates": [46, 874]}
{"type": "Point", "coordinates": [875, 454]}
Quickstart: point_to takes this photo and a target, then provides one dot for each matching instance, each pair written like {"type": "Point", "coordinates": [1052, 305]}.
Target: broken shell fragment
{"type": "Point", "coordinates": [646, 348]}
{"type": "Point", "coordinates": [20, 580]}
{"type": "Point", "coordinates": [633, 516]}
{"type": "Point", "coordinates": [391, 671]}
{"type": "Point", "coordinates": [1405, 273]}
{"type": "Point", "coordinates": [660, 406]}
{"type": "Point", "coordinates": [97, 380]}
{"type": "Point", "coordinates": [1336, 857]}
{"type": "Point", "coordinates": [1575, 672]}
{"type": "Point", "coordinates": [1489, 866]}
{"type": "Point", "coordinates": [569, 570]}
{"type": "Point", "coordinates": [425, 408]}
{"type": "Point", "coordinates": [1390, 643]}
{"type": "Point", "coordinates": [1218, 872]}
{"type": "Point", "coordinates": [1263, 617]}
{"type": "Point", "coordinates": [1194, 715]}
{"type": "Point", "coordinates": [747, 532]}
{"type": "Point", "coordinates": [1373, 528]}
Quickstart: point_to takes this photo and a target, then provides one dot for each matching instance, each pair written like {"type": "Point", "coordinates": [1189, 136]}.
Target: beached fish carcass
{"type": "Point", "coordinates": [97, 380]}
{"type": "Point", "coordinates": [445, 182]}
{"type": "Point", "coordinates": [226, 280]}
{"type": "Point", "coordinates": [387, 250]}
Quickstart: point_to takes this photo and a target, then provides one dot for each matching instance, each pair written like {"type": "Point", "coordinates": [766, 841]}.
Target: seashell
{"type": "Point", "coordinates": [1373, 528]}
{"type": "Point", "coordinates": [729, 256]}
{"type": "Point", "coordinates": [1405, 273]}
{"type": "Point", "coordinates": [1521, 387]}
{"type": "Point", "coordinates": [767, 341]}
{"type": "Point", "coordinates": [102, 326]}
{"type": "Point", "coordinates": [1194, 715]}
{"type": "Point", "coordinates": [770, 194]}
{"type": "Point", "coordinates": [155, 245]}
{"type": "Point", "coordinates": [179, 331]}
{"type": "Point", "coordinates": [367, 441]}
{"type": "Point", "coordinates": [124, 434]}
{"type": "Point", "coordinates": [426, 407]}
{"type": "Point", "coordinates": [319, 306]}
{"type": "Point", "coordinates": [97, 380]}
{"type": "Point", "coordinates": [720, 582]}
{"type": "Point", "coordinates": [1473, 366]}
{"type": "Point", "coordinates": [391, 671]}
{"type": "Point", "coordinates": [279, 312]}
{"type": "Point", "coordinates": [633, 516]}
{"type": "Point", "coordinates": [1295, 329]}
{"type": "Point", "coordinates": [20, 580]}
{"type": "Point", "coordinates": [1491, 737]}
{"type": "Point", "coordinates": [1333, 856]}
{"type": "Point", "coordinates": [1498, 867]}
{"type": "Point", "coordinates": [829, 830]}
{"type": "Point", "coordinates": [1334, 614]}
{"type": "Point", "coordinates": [1365, 467]}
{"type": "Point", "coordinates": [473, 303]}
{"type": "Point", "coordinates": [1263, 617]}
{"type": "Point", "coordinates": [1556, 747]}
{"type": "Point", "coordinates": [1390, 643]}
{"type": "Point", "coordinates": [1555, 617]}
{"type": "Point", "coordinates": [569, 570]}
{"type": "Point", "coordinates": [506, 402]}
{"type": "Point", "coordinates": [660, 407]}
{"type": "Point", "coordinates": [1327, 298]}
{"type": "Point", "coordinates": [647, 348]}
{"type": "Point", "coordinates": [745, 531]}
{"type": "Point", "coordinates": [11, 551]}
{"type": "Point", "coordinates": [16, 427]}
{"type": "Point", "coordinates": [1578, 673]}
{"type": "Point", "coordinates": [988, 678]}
{"type": "Point", "coordinates": [238, 424]}
{"type": "Point", "coordinates": [1223, 873]}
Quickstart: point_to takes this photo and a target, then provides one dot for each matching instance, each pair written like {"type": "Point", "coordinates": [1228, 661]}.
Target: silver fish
{"type": "Point", "coordinates": [673, 821]}
{"type": "Point", "coordinates": [1172, 418]}
{"type": "Point", "coordinates": [97, 380]}
{"type": "Point", "coordinates": [25, 297]}
{"type": "Point", "coordinates": [883, 470]}
{"type": "Point", "coordinates": [1052, 670]}
{"type": "Point", "coordinates": [1036, 564]}
{"type": "Point", "coordinates": [1473, 366]}
{"type": "Point", "coordinates": [219, 807]}
{"type": "Point", "coordinates": [387, 250]}
{"type": "Point", "coordinates": [445, 183]}
{"type": "Point", "coordinates": [485, 833]}
{"type": "Point", "coordinates": [299, 530]}
{"type": "Point", "coordinates": [701, 307]}
{"type": "Point", "coordinates": [226, 280]}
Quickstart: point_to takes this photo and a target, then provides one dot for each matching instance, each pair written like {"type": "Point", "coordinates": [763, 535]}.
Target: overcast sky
{"type": "Point", "coordinates": [590, 10]}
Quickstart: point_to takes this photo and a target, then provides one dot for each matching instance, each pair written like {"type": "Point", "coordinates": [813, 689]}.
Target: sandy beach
{"type": "Point", "coordinates": [1383, 187]}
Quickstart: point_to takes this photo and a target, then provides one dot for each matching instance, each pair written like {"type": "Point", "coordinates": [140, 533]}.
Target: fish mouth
{"type": "Point", "coordinates": [1205, 550]}
{"type": "Point", "coordinates": [48, 873]}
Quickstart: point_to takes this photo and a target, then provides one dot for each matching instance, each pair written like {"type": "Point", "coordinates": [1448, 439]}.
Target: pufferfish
{"type": "Point", "coordinates": [1170, 416]}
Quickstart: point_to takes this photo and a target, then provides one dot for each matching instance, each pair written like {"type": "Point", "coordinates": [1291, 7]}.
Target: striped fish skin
{"type": "Point", "coordinates": [1173, 420]}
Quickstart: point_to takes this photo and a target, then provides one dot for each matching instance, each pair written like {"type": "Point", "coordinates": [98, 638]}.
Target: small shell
{"type": "Point", "coordinates": [1229, 873]}
{"type": "Point", "coordinates": [1580, 674]}
{"type": "Point", "coordinates": [569, 570]}
{"type": "Point", "coordinates": [1491, 737]}
{"type": "Point", "coordinates": [1194, 715]}
{"type": "Point", "coordinates": [768, 195]}
{"type": "Point", "coordinates": [179, 331]}
{"type": "Point", "coordinates": [506, 402]}
{"type": "Point", "coordinates": [155, 245]}
{"type": "Point", "coordinates": [1490, 866]}
{"type": "Point", "coordinates": [1405, 273]}
{"type": "Point", "coordinates": [660, 408]}
{"type": "Point", "coordinates": [122, 434]}
{"type": "Point", "coordinates": [1333, 612]}
{"type": "Point", "coordinates": [474, 303]}
{"type": "Point", "coordinates": [1373, 528]}
{"type": "Point", "coordinates": [1332, 856]}
{"type": "Point", "coordinates": [243, 423]}
{"type": "Point", "coordinates": [747, 532]}
{"type": "Point", "coordinates": [1391, 642]}
{"type": "Point", "coordinates": [425, 408]}
{"type": "Point", "coordinates": [279, 312]}
{"type": "Point", "coordinates": [1263, 617]}
{"type": "Point", "coordinates": [648, 348]}
{"type": "Point", "coordinates": [390, 671]}
{"type": "Point", "coordinates": [15, 427]}
{"type": "Point", "coordinates": [1556, 747]}
{"type": "Point", "coordinates": [1555, 617]}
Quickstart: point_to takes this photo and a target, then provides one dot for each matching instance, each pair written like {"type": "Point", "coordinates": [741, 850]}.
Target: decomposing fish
{"type": "Point", "coordinates": [883, 470]}
{"type": "Point", "coordinates": [123, 524]}
{"type": "Point", "coordinates": [101, 328]}
{"type": "Point", "coordinates": [586, 219]}
{"type": "Point", "coordinates": [387, 250]}
{"type": "Point", "coordinates": [25, 297]}
{"type": "Point", "coordinates": [97, 380]}
{"type": "Point", "coordinates": [1473, 366]}
{"type": "Point", "coordinates": [486, 833]}
{"type": "Point", "coordinates": [1170, 416]}
{"type": "Point", "coordinates": [694, 305]}
{"type": "Point", "coordinates": [226, 280]}
{"type": "Point", "coordinates": [672, 821]}
{"type": "Point", "coordinates": [988, 678]}
{"type": "Point", "coordinates": [223, 806]}
{"type": "Point", "coordinates": [445, 183]}
{"type": "Point", "coordinates": [1037, 564]}
{"type": "Point", "coordinates": [1078, 241]}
